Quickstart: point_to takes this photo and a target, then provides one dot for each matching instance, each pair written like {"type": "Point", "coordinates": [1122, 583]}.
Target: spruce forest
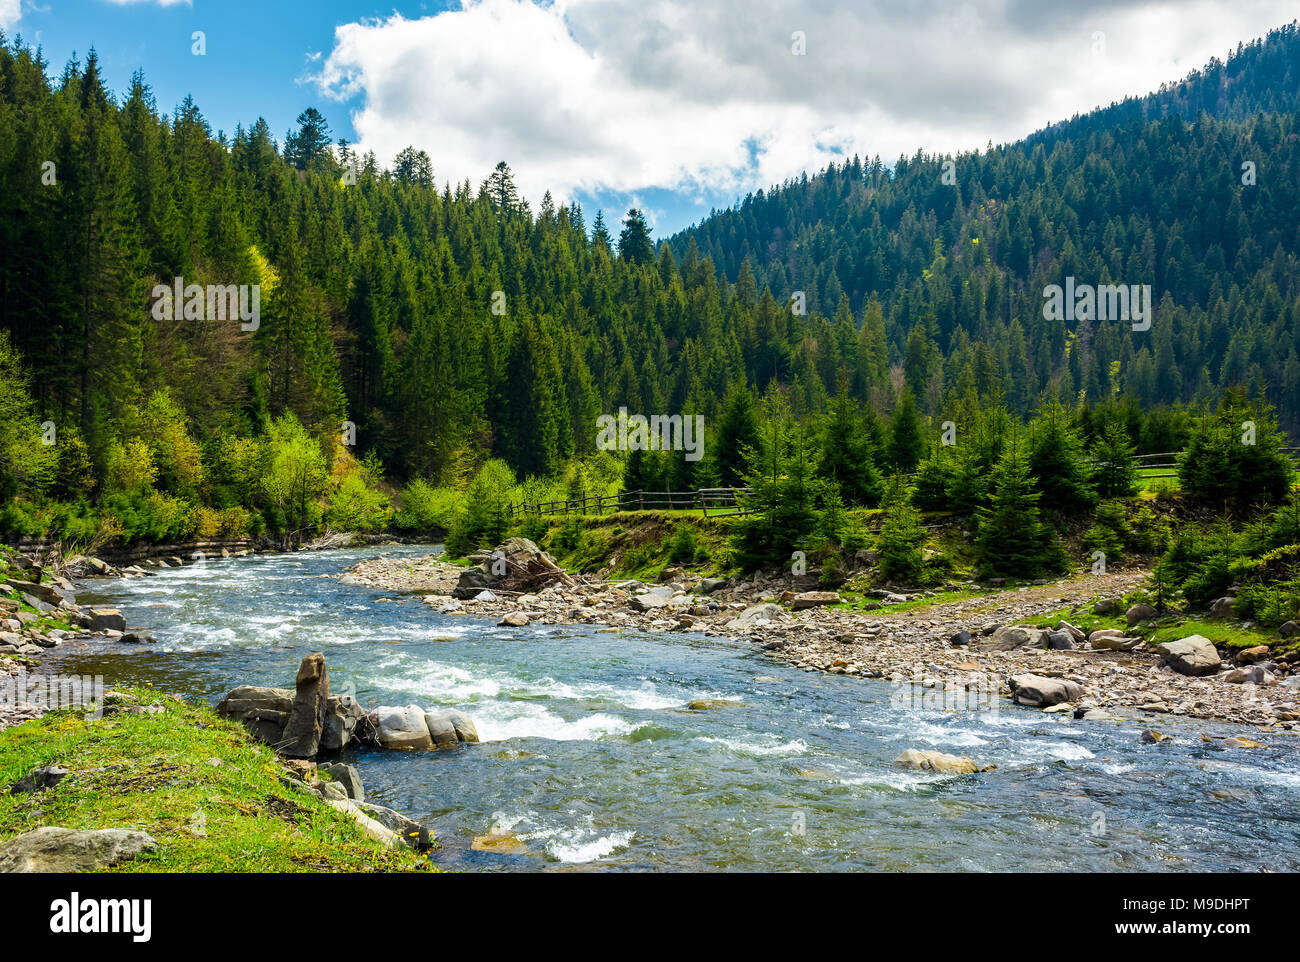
{"type": "Point", "coordinates": [428, 352]}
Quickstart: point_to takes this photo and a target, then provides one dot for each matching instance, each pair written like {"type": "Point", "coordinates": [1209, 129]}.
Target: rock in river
{"type": "Point", "coordinates": [931, 761]}
{"type": "Point", "coordinates": [400, 728]}
{"type": "Point", "coordinates": [302, 732]}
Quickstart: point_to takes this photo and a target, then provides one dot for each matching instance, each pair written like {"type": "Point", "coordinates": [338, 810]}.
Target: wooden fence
{"type": "Point", "coordinates": [713, 502]}
{"type": "Point", "coordinates": [721, 502]}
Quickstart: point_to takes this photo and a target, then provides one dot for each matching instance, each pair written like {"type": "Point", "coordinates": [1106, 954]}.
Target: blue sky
{"type": "Point", "coordinates": [669, 106]}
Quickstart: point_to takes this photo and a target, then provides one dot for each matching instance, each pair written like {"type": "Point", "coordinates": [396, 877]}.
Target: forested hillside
{"type": "Point", "coordinates": [1148, 191]}
{"type": "Point", "coordinates": [452, 324]}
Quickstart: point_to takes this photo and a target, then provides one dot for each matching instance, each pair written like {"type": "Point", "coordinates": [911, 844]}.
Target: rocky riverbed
{"type": "Point", "coordinates": [948, 652]}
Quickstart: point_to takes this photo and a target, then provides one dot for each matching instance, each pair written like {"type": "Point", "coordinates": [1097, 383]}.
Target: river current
{"type": "Point", "coordinates": [592, 760]}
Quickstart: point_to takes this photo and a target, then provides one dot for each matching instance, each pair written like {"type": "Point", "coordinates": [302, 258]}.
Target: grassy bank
{"type": "Point", "coordinates": [208, 793]}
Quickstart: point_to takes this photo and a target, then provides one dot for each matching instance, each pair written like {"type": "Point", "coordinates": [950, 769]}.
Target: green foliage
{"type": "Point", "coordinates": [1236, 455]}
{"type": "Point", "coordinates": [1012, 540]}
{"type": "Point", "coordinates": [901, 535]}
{"type": "Point", "coordinates": [426, 508]}
{"type": "Point", "coordinates": [487, 510]}
{"type": "Point", "coordinates": [1114, 473]}
{"type": "Point", "coordinates": [1057, 460]}
{"type": "Point", "coordinates": [685, 547]}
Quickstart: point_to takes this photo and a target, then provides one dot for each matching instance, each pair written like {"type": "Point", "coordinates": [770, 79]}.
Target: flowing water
{"type": "Point", "coordinates": [591, 758]}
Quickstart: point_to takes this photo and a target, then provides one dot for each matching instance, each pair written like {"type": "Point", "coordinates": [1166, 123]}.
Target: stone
{"type": "Point", "coordinates": [342, 715]}
{"type": "Point", "coordinates": [106, 619]}
{"type": "Point", "coordinates": [39, 780]}
{"type": "Point", "coordinates": [1016, 636]}
{"type": "Point", "coordinates": [514, 619]}
{"type": "Point", "coordinates": [1060, 641]}
{"type": "Point", "coordinates": [463, 724]}
{"type": "Point", "coordinates": [1289, 629]}
{"type": "Point", "coordinates": [647, 602]}
{"type": "Point", "coordinates": [814, 599]}
{"type": "Point", "coordinates": [472, 581]}
{"type": "Point", "coordinates": [1108, 606]}
{"type": "Point", "coordinates": [1153, 737]}
{"type": "Point", "coordinates": [1113, 642]}
{"type": "Point", "coordinates": [1039, 692]}
{"type": "Point", "coordinates": [402, 729]}
{"type": "Point", "coordinates": [1076, 633]}
{"type": "Point", "coordinates": [55, 849]}
{"type": "Point", "coordinates": [709, 585]}
{"type": "Point", "coordinates": [264, 712]}
{"type": "Point", "coordinates": [306, 722]}
{"type": "Point", "coordinates": [1248, 656]}
{"type": "Point", "coordinates": [441, 730]}
{"type": "Point", "coordinates": [757, 615]}
{"type": "Point", "coordinates": [932, 761]}
{"type": "Point", "coordinates": [1139, 613]}
{"type": "Point", "coordinates": [407, 829]}
{"type": "Point", "coordinates": [1193, 655]}
{"type": "Point", "coordinates": [960, 639]}
{"type": "Point", "coordinates": [1252, 675]}
{"type": "Point", "coordinates": [1222, 607]}
{"type": "Point", "coordinates": [346, 777]}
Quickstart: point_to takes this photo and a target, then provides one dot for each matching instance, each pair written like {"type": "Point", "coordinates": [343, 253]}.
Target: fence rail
{"type": "Point", "coordinates": [713, 502]}
{"type": "Point", "coordinates": [723, 502]}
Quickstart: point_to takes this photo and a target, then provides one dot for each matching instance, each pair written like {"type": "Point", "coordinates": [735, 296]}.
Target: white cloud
{"type": "Point", "coordinates": [10, 13]}
{"type": "Point", "coordinates": [626, 95]}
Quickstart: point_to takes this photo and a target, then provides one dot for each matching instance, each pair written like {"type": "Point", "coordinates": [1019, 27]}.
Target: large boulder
{"type": "Point", "coordinates": [1108, 606]}
{"type": "Point", "coordinates": [1138, 614]}
{"type": "Point", "coordinates": [1016, 636]}
{"type": "Point", "coordinates": [302, 732]}
{"type": "Point", "coordinates": [441, 730]}
{"type": "Point", "coordinates": [263, 711]}
{"type": "Point", "coordinates": [464, 725]}
{"type": "Point", "coordinates": [932, 761]}
{"type": "Point", "coordinates": [342, 716]}
{"type": "Point", "coordinates": [472, 581]}
{"type": "Point", "coordinates": [814, 599]}
{"type": "Point", "coordinates": [758, 615]}
{"type": "Point", "coordinates": [1039, 692]}
{"type": "Point", "coordinates": [54, 849]}
{"type": "Point", "coordinates": [106, 619]}
{"type": "Point", "coordinates": [1222, 607]}
{"type": "Point", "coordinates": [1193, 655]}
{"type": "Point", "coordinates": [403, 729]}
{"type": "Point", "coordinates": [1060, 641]}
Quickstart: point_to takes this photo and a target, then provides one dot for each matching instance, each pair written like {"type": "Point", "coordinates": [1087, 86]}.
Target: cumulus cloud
{"type": "Point", "coordinates": [10, 13]}
{"type": "Point", "coordinates": [629, 95]}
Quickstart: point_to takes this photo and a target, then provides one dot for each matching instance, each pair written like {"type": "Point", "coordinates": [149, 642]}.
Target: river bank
{"type": "Point", "coordinates": [154, 784]}
{"type": "Point", "coordinates": [944, 647]}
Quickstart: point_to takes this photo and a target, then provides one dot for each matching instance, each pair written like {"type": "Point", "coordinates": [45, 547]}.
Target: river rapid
{"type": "Point", "coordinates": [591, 758]}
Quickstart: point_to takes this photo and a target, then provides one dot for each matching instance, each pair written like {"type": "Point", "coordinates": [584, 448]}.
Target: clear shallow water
{"type": "Point", "coordinates": [591, 758]}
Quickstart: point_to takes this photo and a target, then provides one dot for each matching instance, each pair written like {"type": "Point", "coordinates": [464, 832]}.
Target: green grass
{"type": "Point", "coordinates": [153, 772]}
{"type": "Point", "coordinates": [1167, 628]}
